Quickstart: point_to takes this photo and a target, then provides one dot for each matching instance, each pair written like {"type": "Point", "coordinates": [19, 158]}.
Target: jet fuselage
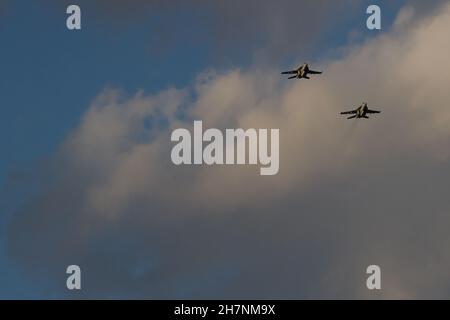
{"type": "Point", "coordinates": [362, 110]}
{"type": "Point", "coordinates": [303, 71]}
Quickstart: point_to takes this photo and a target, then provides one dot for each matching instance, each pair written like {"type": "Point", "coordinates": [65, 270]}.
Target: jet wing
{"type": "Point", "coordinates": [349, 112]}
{"type": "Point", "coordinates": [372, 111]}
{"type": "Point", "coordinates": [289, 72]}
{"type": "Point", "coordinates": [314, 72]}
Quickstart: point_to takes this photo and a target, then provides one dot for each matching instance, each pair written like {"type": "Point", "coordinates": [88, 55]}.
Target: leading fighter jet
{"type": "Point", "coordinates": [360, 112]}
{"type": "Point", "coordinates": [301, 72]}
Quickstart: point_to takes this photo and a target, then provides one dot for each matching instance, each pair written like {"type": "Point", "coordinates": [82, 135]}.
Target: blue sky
{"type": "Point", "coordinates": [49, 76]}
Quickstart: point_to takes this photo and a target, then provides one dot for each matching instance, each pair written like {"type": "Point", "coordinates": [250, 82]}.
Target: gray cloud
{"type": "Point", "coordinates": [266, 31]}
{"type": "Point", "coordinates": [348, 194]}
{"type": "Point", "coordinates": [231, 29]}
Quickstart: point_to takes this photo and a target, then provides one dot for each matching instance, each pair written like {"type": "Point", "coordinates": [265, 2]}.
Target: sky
{"type": "Point", "coordinates": [86, 176]}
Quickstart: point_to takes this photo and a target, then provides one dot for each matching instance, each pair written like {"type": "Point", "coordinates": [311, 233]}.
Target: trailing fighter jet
{"type": "Point", "coordinates": [360, 112]}
{"type": "Point", "coordinates": [301, 72]}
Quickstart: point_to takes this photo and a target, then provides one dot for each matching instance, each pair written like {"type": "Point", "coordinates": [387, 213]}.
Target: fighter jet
{"type": "Point", "coordinates": [301, 72]}
{"type": "Point", "coordinates": [360, 112]}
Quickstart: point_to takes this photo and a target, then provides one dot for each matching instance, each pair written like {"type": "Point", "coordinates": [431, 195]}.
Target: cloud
{"type": "Point", "coordinates": [267, 32]}
{"type": "Point", "coordinates": [349, 193]}
{"type": "Point", "coordinates": [273, 31]}
{"type": "Point", "coordinates": [231, 29]}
